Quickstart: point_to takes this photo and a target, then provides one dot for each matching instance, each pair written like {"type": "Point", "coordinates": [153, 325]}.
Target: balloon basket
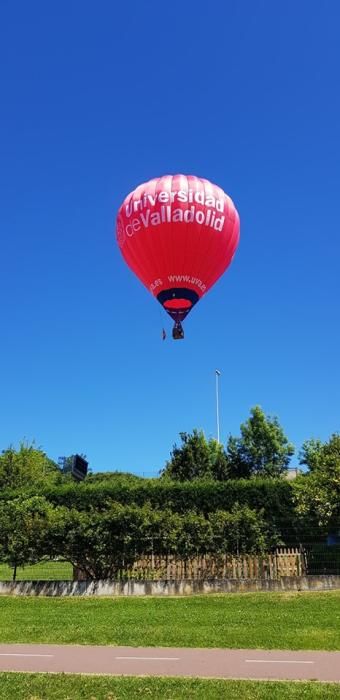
{"type": "Point", "coordinates": [177, 331]}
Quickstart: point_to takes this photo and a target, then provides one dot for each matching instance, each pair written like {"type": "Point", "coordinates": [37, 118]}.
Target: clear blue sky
{"type": "Point", "coordinates": [98, 97]}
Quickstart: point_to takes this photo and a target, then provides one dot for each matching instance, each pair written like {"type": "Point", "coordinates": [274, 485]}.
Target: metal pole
{"type": "Point", "coordinates": [217, 375]}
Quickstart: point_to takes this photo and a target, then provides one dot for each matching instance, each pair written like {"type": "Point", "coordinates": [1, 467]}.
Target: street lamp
{"type": "Point", "coordinates": [217, 375]}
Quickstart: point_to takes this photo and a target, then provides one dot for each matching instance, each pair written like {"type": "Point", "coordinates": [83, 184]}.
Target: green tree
{"type": "Point", "coordinates": [197, 458]}
{"type": "Point", "coordinates": [101, 543]}
{"type": "Point", "coordinates": [220, 466]}
{"type": "Point", "coordinates": [243, 530]}
{"type": "Point", "coordinates": [317, 493]}
{"type": "Point", "coordinates": [262, 448]}
{"type": "Point", "coordinates": [194, 536]}
{"type": "Point", "coordinates": [311, 454]}
{"type": "Point", "coordinates": [27, 466]}
{"type": "Point", "coordinates": [24, 531]}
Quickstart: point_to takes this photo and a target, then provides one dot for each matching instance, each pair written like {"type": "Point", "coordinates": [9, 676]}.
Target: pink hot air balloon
{"type": "Point", "coordinates": [178, 234]}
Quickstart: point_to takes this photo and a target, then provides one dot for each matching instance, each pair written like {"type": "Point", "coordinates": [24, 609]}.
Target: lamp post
{"type": "Point", "coordinates": [217, 375]}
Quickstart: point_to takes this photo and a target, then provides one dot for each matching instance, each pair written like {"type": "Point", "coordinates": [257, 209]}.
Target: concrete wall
{"type": "Point", "coordinates": [168, 588]}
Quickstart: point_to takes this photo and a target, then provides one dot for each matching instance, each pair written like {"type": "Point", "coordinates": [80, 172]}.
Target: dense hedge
{"type": "Point", "coordinates": [272, 499]}
{"type": "Point", "coordinates": [202, 496]}
{"type": "Point", "coordinates": [273, 496]}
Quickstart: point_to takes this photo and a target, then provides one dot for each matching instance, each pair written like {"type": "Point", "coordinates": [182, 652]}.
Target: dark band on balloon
{"type": "Point", "coordinates": [177, 293]}
{"type": "Point", "coordinates": [185, 298]}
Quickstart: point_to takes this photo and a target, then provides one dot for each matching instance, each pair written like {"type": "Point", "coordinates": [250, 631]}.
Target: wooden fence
{"type": "Point", "coordinates": [281, 562]}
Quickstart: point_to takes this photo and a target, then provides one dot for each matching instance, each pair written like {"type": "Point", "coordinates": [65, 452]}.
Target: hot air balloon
{"type": "Point", "coordinates": [178, 234]}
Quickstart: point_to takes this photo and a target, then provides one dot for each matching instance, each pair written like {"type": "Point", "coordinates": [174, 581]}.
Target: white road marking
{"type": "Point", "coordinates": [50, 656]}
{"type": "Point", "coordinates": [147, 658]}
{"type": "Point", "coordinates": [275, 661]}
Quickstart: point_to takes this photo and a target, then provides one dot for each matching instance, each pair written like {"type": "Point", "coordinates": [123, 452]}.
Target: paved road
{"type": "Point", "coordinates": [166, 661]}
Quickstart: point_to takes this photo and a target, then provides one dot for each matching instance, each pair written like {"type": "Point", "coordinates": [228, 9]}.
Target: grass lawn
{"type": "Point", "coordinates": [44, 571]}
{"type": "Point", "coordinates": [56, 687]}
{"type": "Point", "coordinates": [249, 620]}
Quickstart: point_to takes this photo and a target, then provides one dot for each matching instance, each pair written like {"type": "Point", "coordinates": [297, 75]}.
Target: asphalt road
{"type": "Point", "coordinates": [166, 661]}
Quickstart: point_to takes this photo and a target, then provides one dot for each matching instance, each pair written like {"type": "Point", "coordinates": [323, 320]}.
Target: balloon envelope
{"type": "Point", "coordinates": [178, 234]}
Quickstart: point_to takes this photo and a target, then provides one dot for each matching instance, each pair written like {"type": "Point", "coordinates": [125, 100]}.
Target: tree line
{"type": "Point", "coordinates": [208, 498]}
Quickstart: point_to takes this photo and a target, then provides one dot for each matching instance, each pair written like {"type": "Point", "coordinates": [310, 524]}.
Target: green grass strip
{"type": "Point", "coordinates": [261, 620]}
{"type": "Point", "coordinates": [36, 686]}
{"type": "Point", "coordinates": [43, 571]}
